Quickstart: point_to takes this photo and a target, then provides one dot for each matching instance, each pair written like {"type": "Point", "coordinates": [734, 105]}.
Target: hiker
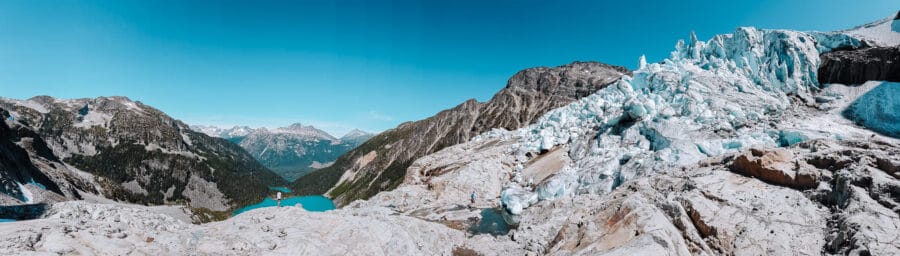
{"type": "Point", "coordinates": [278, 198]}
{"type": "Point", "coordinates": [473, 197]}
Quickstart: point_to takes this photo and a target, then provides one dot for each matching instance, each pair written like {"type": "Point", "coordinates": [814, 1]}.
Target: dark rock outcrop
{"type": "Point", "coordinates": [380, 164]}
{"type": "Point", "coordinates": [860, 65]}
{"type": "Point", "coordinates": [15, 164]}
{"type": "Point", "coordinates": [22, 212]}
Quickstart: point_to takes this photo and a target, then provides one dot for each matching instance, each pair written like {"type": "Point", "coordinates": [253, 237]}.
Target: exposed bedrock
{"type": "Point", "coordinates": [860, 65]}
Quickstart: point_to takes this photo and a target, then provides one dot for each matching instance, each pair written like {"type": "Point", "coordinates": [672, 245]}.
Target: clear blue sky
{"type": "Point", "coordinates": [350, 64]}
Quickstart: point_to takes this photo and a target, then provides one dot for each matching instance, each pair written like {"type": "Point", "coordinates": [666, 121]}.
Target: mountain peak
{"type": "Point", "coordinates": [300, 126]}
{"type": "Point", "coordinates": [303, 130]}
{"type": "Point", "coordinates": [233, 132]}
{"type": "Point", "coordinates": [356, 133]}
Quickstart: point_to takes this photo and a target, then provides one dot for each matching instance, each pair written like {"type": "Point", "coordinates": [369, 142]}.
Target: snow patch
{"type": "Point", "coordinates": [134, 187]}
{"type": "Point", "coordinates": [317, 165]}
{"type": "Point", "coordinates": [94, 118]}
{"type": "Point", "coordinates": [28, 104]}
{"type": "Point", "coordinates": [154, 147]}
{"type": "Point", "coordinates": [187, 139]}
{"type": "Point", "coordinates": [131, 105]}
{"type": "Point", "coordinates": [168, 193]}
{"type": "Point", "coordinates": [27, 196]}
{"type": "Point", "coordinates": [884, 32]}
{"type": "Point", "coordinates": [303, 131]}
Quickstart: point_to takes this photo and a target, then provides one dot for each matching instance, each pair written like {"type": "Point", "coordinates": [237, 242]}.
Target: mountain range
{"type": "Point", "coordinates": [754, 142]}
{"type": "Point", "coordinates": [291, 151]}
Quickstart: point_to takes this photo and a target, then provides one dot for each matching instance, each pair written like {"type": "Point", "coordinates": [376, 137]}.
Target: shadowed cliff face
{"type": "Point", "coordinates": [380, 164]}
{"type": "Point", "coordinates": [860, 65]}
{"type": "Point", "coordinates": [15, 165]}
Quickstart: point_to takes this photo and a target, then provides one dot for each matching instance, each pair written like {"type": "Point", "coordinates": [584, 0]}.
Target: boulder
{"type": "Point", "coordinates": [774, 166]}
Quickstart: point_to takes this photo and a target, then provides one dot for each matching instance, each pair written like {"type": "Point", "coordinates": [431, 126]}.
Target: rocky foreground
{"type": "Point", "coordinates": [816, 197]}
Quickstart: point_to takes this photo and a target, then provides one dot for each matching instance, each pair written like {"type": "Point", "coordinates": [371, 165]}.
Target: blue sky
{"type": "Point", "coordinates": [350, 64]}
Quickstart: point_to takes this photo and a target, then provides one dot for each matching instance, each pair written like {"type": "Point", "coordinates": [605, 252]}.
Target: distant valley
{"type": "Point", "coordinates": [291, 151]}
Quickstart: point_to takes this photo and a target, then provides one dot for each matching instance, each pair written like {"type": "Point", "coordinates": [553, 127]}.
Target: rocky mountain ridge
{"type": "Point", "coordinates": [380, 163]}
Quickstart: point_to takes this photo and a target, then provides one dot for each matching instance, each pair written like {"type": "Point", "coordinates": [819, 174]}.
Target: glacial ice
{"type": "Point", "coordinates": [27, 197]}
{"type": "Point", "coordinates": [515, 199]}
{"type": "Point", "coordinates": [878, 109]}
{"type": "Point", "coordinates": [707, 99]}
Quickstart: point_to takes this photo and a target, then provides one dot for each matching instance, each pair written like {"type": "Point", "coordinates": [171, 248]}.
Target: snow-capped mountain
{"type": "Point", "coordinates": [300, 130]}
{"type": "Point", "coordinates": [291, 151]}
{"type": "Point", "coordinates": [123, 150]}
{"type": "Point", "coordinates": [356, 137]}
{"type": "Point", "coordinates": [236, 132]}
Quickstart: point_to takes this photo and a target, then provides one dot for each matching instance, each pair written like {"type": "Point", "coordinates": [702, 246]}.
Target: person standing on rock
{"type": "Point", "coordinates": [278, 198]}
{"type": "Point", "coordinates": [473, 197]}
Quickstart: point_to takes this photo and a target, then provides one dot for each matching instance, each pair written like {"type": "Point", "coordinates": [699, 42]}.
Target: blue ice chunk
{"type": "Point", "coordinates": [789, 138]}
{"type": "Point", "coordinates": [878, 109]}
{"type": "Point", "coordinates": [732, 145]}
{"type": "Point", "coordinates": [657, 141]}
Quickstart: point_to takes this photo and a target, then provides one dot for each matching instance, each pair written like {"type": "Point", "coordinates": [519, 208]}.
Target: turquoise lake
{"type": "Point", "coordinates": [282, 189]}
{"type": "Point", "coordinates": [7, 220]}
{"type": "Point", "coordinates": [492, 222]}
{"type": "Point", "coordinates": [310, 203]}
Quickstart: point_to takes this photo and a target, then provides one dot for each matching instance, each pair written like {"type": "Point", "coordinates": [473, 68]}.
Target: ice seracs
{"type": "Point", "coordinates": [707, 99]}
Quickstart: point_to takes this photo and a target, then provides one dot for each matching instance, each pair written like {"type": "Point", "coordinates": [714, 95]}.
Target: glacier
{"type": "Point", "coordinates": [708, 98]}
{"type": "Point", "coordinates": [878, 109]}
